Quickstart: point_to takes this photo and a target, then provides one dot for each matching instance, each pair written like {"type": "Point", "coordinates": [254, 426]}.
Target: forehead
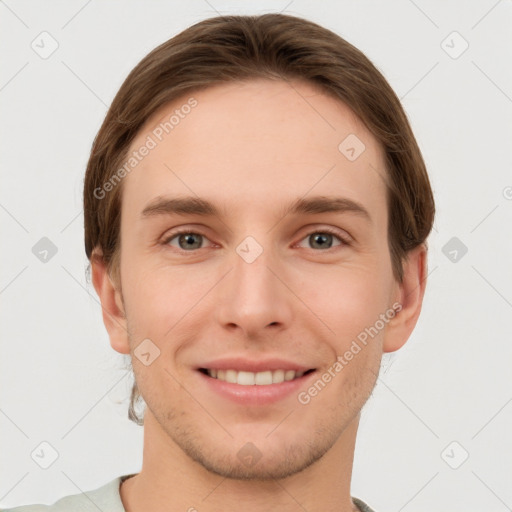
{"type": "Point", "coordinates": [256, 143]}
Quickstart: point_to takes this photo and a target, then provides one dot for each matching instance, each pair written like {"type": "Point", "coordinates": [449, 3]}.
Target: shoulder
{"type": "Point", "coordinates": [361, 505]}
{"type": "Point", "coordinates": [105, 498]}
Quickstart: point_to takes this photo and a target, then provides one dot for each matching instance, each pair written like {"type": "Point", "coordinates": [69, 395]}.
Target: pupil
{"type": "Point", "coordinates": [189, 240]}
{"type": "Point", "coordinates": [321, 239]}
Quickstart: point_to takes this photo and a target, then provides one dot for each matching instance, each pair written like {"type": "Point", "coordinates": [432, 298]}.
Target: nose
{"type": "Point", "coordinates": [254, 298]}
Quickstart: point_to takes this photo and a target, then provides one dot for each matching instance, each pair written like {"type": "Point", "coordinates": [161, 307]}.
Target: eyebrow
{"type": "Point", "coordinates": [189, 205]}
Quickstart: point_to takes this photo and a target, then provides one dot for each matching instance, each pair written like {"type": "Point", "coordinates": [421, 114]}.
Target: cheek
{"type": "Point", "coordinates": [347, 299]}
{"type": "Point", "coordinates": [159, 295]}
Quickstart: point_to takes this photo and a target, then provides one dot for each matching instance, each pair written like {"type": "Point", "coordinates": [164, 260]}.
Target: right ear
{"type": "Point", "coordinates": [111, 304]}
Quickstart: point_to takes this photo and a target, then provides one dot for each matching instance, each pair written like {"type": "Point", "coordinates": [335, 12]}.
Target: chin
{"type": "Point", "coordinates": [265, 453]}
{"type": "Point", "coordinates": [251, 463]}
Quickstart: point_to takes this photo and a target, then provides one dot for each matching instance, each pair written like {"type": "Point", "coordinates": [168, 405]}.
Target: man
{"type": "Point", "coordinates": [256, 211]}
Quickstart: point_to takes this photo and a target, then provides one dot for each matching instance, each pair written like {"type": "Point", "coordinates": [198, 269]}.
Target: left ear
{"type": "Point", "coordinates": [409, 299]}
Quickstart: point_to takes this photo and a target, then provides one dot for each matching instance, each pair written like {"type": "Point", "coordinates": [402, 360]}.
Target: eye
{"type": "Point", "coordinates": [186, 240]}
{"type": "Point", "coordinates": [324, 239]}
{"type": "Point", "coordinates": [319, 239]}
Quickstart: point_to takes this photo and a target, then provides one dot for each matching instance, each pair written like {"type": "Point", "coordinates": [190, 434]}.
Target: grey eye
{"type": "Point", "coordinates": [322, 240]}
{"type": "Point", "coordinates": [187, 241]}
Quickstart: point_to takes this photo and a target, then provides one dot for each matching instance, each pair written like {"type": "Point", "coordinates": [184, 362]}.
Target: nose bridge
{"type": "Point", "coordinates": [253, 297]}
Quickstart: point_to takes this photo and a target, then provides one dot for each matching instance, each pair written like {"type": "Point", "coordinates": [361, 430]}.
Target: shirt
{"type": "Point", "coordinates": [108, 499]}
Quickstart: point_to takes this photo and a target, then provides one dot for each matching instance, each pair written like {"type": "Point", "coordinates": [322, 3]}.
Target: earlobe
{"type": "Point", "coordinates": [410, 293]}
{"type": "Point", "coordinates": [111, 304]}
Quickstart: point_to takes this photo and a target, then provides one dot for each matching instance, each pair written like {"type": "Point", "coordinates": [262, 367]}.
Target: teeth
{"type": "Point", "coordinates": [278, 376]}
{"type": "Point", "coordinates": [263, 378]}
{"type": "Point", "coordinates": [289, 375]}
{"type": "Point", "coordinates": [231, 376]}
{"type": "Point", "coordinates": [251, 378]}
{"type": "Point", "coordinates": [244, 378]}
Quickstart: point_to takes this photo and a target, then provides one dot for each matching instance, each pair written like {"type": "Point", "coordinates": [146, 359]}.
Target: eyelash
{"type": "Point", "coordinates": [344, 241]}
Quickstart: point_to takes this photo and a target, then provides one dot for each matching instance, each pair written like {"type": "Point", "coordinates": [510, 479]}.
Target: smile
{"type": "Point", "coordinates": [245, 378]}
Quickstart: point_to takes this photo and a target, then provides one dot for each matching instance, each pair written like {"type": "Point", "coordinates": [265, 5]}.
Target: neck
{"type": "Point", "coordinates": [172, 481]}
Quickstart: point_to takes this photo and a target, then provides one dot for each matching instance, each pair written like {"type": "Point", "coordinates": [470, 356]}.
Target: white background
{"type": "Point", "coordinates": [62, 383]}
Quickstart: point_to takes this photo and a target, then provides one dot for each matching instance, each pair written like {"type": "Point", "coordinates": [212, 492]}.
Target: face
{"type": "Point", "coordinates": [283, 270]}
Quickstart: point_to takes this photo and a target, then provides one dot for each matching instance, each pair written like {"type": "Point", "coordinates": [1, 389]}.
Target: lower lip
{"type": "Point", "coordinates": [255, 394]}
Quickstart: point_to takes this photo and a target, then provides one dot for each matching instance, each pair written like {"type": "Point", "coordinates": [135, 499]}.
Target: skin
{"type": "Point", "coordinates": [252, 148]}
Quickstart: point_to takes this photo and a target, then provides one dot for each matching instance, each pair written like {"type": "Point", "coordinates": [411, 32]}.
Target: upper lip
{"type": "Point", "coordinates": [255, 366]}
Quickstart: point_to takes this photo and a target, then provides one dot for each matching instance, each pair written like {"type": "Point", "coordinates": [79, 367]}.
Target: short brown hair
{"type": "Point", "coordinates": [238, 48]}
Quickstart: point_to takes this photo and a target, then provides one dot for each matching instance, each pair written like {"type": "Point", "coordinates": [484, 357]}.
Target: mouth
{"type": "Point", "coordinates": [262, 378]}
